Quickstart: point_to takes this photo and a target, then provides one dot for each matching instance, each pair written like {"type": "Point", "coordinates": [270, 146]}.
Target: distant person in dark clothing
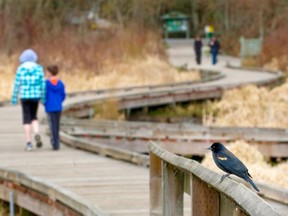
{"type": "Point", "coordinates": [55, 95]}
{"type": "Point", "coordinates": [215, 46]}
{"type": "Point", "coordinates": [198, 49]}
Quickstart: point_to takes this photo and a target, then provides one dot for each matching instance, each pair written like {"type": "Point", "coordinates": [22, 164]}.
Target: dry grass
{"type": "Point", "coordinates": [93, 52]}
{"type": "Point", "coordinates": [4, 210]}
{"type": "Point", "coordinates": [275, 49]}
{"type": "Point", "coordinates": [113, 58]}
{"type": "Point", "coordinates": [7, 71]}
{"type": "Point", "coordinates": [251, 107]}
{"type": "Point", "coordinates": [277, 64]}
{"type": "Point", "coordinates": [150, 70]}
{"type": "Point", "coordinates": [256, 164]}
{"type": "Point", "coordinates": [108, 110]}
{"type": "Point", "coordinates": [250, 62]}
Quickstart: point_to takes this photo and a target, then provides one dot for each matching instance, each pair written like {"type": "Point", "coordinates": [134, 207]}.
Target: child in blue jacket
{"type": "Point", "coordinates": [55, 95]}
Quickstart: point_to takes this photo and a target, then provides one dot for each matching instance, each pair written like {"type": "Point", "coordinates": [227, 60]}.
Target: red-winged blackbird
{"type": "Point", "coordinates": [230, 164]}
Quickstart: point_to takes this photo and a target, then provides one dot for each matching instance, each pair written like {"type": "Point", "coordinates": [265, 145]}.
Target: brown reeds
{"type": "Point", "coordinates": [108, 110]}
{"type": "Point", "coordinates": [7, 73]}
{"type": "Point", "coordinates": [275, 48]}
{"type": "Point", "coordinates": [251, 107]}
{"type": "Point", "coordinates": [102, 60]}
{"type": "Point", "coordinates": [88, 59]}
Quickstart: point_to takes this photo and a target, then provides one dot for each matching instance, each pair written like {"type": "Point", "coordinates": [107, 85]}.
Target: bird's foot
{"type": "Point", "coordinates": [223, 177]}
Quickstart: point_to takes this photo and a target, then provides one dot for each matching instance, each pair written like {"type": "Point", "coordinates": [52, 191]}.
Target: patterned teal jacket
{"type": "Point", "coordinates": [29, 82]}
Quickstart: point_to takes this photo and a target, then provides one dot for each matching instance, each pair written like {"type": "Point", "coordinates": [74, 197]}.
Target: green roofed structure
{"type": "Point", "coordinates": [176, 22]}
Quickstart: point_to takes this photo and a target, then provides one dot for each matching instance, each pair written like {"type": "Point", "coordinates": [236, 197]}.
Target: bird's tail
{"type": "Point", "coordinates": [252, 183]}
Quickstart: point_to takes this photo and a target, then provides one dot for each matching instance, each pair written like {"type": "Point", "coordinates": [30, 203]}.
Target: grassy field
{"type": "Point", "coordinates": [150, 70]}
{"type": "Point", "coordinates": [251, 106]}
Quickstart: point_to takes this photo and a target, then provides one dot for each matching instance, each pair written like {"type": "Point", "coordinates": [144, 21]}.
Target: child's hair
{"type": "Point", "coordinates": [53, 69]}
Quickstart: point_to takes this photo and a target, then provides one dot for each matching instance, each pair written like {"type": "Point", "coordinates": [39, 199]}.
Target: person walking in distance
{"type": "Point", "coordinates": [198, 49]}
{"type": "Point", "coordinates": [55, 95]}
{"type": "Point", "coordinates": [214, 46]}
{"type": "Point", "coordinates": [30, 84]}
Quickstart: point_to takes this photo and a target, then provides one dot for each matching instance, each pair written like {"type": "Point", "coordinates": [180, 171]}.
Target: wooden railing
{"type": "Point", "coordinates": [172, 175]}
{"type": "Point", "coordinates": [41, 197]}
{"type": "Point", "coordinates": [179, 138]}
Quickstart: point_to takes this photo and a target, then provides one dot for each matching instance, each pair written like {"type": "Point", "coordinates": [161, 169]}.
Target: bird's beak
{"type": "Point", "coordinates": [209, 148]}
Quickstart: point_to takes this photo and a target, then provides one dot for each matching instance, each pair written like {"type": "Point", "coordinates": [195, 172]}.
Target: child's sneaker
{"type": "Point", "coordinates": [38, 141]}
{"type": "Point", "coordinates": [29, 147]}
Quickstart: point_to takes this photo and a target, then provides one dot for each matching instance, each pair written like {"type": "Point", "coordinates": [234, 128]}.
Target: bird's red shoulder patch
{"type": "Point", "coordinates": [221, 158]}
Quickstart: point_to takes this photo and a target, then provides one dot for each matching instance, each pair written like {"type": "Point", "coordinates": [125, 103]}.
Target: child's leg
{"type": "Point", "coordinates": [35, 126]}
{"type": "Point", "coordinates": [38, 140]}
{"type": "Point", "coordinates": [33, 113]}
{"type": "Point", "coordinates": [27, 131]}
{"type": "Point", "coordinates": [50, 123]}
{"type": "Point", "coordinates": [26, 114]}
{"type": "Point", "coordinates": [34, 123]}
{"type": "Point", "coordinates": [57, 129]}
{"type": "Point", "coordinates": [53, 122]}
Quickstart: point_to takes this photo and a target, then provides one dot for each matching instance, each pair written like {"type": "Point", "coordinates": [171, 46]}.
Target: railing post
{"type": "Point", "coordinates": [227, 207]}
{"type": "Point", "coordinates": [205, 199]}
{"type": "Point", "coordinates": [12, 211]}
{"type": "Point", "coordinates": [173, 189]}
{"type": "Point", "coordinates": [155, 186]}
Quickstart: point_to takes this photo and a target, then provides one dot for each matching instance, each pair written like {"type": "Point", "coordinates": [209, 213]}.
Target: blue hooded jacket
{"type": "Point", "coordinates": [55, 95]}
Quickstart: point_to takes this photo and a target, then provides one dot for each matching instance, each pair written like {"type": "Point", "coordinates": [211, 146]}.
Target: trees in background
{"type": "Point", "coordinates": [24, 22]}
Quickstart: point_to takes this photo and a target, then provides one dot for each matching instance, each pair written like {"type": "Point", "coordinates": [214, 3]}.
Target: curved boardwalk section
{"type": "Point", "coordinates": [42, 198]}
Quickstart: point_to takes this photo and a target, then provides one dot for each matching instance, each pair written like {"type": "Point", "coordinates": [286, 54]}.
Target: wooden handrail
{"type": "Point", "coordinates": [208, 195]}
{"type": "Point", "coordinates": [271, 143]}
{"type": "Point", "coordinates": [42, 197]}
{"type": "Point", "coordinates": [206, 76]}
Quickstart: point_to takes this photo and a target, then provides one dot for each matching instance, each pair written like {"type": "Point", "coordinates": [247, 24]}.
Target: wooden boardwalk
{"type": "Point", "coordinates": [117, 187]}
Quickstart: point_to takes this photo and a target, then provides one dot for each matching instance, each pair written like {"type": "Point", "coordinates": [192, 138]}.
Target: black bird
{"type": "Point", "coordinates": [230, 164]}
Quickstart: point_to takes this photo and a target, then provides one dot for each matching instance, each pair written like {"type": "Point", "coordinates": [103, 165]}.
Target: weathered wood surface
{"type": "Point", "coordinates": [116, 187]}
{"type": "Point", "coordinates": [114, 151]}
{"type": "Point", "coordinates": [188, 139]}
{"type": "Point", "coordinates": [173, 189]}
{"type": "Point", "coordinates": [41, 197]}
